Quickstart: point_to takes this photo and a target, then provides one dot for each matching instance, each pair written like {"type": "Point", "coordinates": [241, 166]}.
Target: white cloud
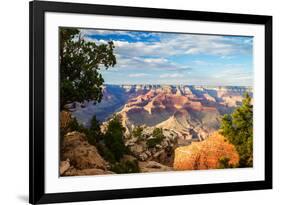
{"type": "Point", "coordinates": [159, 57]}
{"type": "Point", "coordinates": [156, 64]}
{"type": "Point", "coordinates": [234, 76]}
{"type": "Point", "coordinates": [155, 60]}
{"type": "Point", "coordinates": [182, 45]}
{"type": "Point", "coordinates": [175, 44]}
{"type": "Point", "coordinates": [136, 75]}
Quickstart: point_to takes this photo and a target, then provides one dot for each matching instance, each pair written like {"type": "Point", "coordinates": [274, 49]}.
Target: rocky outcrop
{"type": "Point", "coordinates": [78, 172]}
{"type": "Point", "coordinates": [206, 154]}
{"type": "Point", "coordinates": [65, 121]}
{"type": "Point", "coordinates": [77, 152]}
{"type": "Point", "coordinates": [152, 166]}
{"type": "Point", "coordinates": [161, 152]}
{"type": "Point", "coordinates": [186, 126]}
{"type": "Point", "coordinates": [64, 166]}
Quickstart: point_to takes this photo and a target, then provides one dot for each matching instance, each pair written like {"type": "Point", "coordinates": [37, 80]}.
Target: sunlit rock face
{"type": "Point", "coordinates": [193, 112]}
{"type": "Point", "coordinates": [206, 154]}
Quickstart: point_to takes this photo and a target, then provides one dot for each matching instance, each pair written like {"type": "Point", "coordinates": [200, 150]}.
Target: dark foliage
{"type": "Point", "coordinates": [224, 163]}
{"type": "Point", "coordinates": [113, 138]}
{"type": "Point", "coordinates": [75, 126]}
{"type": "Point", "coordinates": [106, 153]}
{"type": "Point", "coordinates": [125, 167]}
{"type": "Point", "coordinates": [157, 138]}
{"type": "Point", "coordinates": [80, 62]}
{"type": "Point", "coordinates": [137, 132]}
{"type": "Point", "coordinates": [94, 133]}
{"type": "Point", "coordinates": [238, 129]}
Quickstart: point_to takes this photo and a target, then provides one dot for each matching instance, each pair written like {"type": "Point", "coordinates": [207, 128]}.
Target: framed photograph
{"type": "Point", "coordinates": [141, 102]}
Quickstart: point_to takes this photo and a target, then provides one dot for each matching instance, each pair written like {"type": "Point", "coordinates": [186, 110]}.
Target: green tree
{"type": "Point", "coordinates": [157, 137]}
{"type": "Point", "coordinates": [94, 132]}
{"type": "Point", "coordinates": [105, 153]}
{"type": "Point", "coordinates": [80, 62]}
{"type": "Point", "coordinates": [238, 129]}
{"type": "Point", "coordinates": [137, 131]}
{"type": "Point", "coordinates": [113, 138]}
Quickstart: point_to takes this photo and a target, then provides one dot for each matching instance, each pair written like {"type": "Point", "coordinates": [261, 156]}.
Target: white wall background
{"type": "Point", "coordinates": [14, 44]}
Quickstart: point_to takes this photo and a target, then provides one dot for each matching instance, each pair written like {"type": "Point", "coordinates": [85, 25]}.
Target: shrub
{"type": "Point", "coordinates": [94, 133]}
{"type": "Point", "coordinates": [72, 126]}
{"type": "Point", "coordinates": [137, 132]}
{"type": "Point", "coordinates": [106, 153]}
{"type": "Point", "coordinates": [157, 138]}
{"type": "Point", "coordinates": [126, 167]}
{"type": "Point", "coordinates": [113, 138]}
{"type": "Point", "coordinates": [224, 163]}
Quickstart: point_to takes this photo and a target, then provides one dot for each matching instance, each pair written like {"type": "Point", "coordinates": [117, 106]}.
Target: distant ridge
{"type": "Point", "coordinates": [192, 111]}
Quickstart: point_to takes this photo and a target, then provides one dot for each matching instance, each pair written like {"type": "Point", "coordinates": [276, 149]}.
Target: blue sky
{"type": "Point", "coordinates": [175, 58]}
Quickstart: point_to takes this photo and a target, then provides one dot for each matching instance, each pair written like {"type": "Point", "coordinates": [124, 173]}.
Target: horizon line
{"type": "Point", "coordinates": [178, 84]}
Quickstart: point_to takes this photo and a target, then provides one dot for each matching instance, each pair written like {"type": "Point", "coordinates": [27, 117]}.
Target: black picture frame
{"type": "Point", "coordinates": [37, 194]}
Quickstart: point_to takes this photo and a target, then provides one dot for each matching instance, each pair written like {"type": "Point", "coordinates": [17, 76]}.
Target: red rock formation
{"type": "Point", "coordinates": [205, 154]}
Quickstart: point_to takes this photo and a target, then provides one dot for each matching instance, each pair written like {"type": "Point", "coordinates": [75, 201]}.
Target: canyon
{"type": "Point", "coordinates": [187, 117]}
{"type": "Point", "coordinates": [191, 112]}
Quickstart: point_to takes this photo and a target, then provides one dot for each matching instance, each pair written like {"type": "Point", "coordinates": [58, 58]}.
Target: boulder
{"type": "Point", "coordinates": [143, 156]}
{"type": "Point", "coordinates": [157, 154]}
{"type": "Point", "coordinates": [148, 153]}
{"type": "Point", "coordinates": [137, 149]}
{"type": "Point", "coordinates": [80, 153]}
{"type": "Point", "coordinates": [152, 166]}
{"type": "Point", "coordinates": [77, 172]}
{"type": "Point", "coordinates": [64, 166]}
{"type": "Point", "coordinates": [160, 152]}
